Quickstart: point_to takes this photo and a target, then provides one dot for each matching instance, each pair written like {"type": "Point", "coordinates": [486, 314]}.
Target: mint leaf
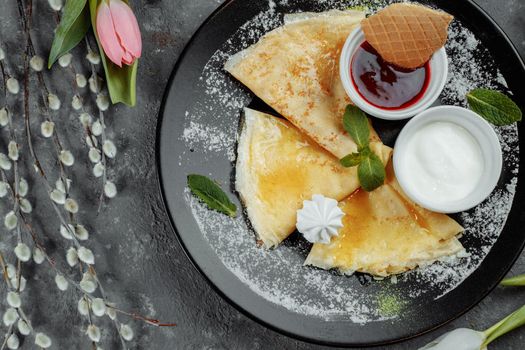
{"type": "Point", "coordinates": [495, 107]}
{"type": "Point", "coordinates": [355, 123]}
{"type": "Point", "coordinates": [72, 28]}
{"type": "Point", "coordinates": [365, 152]}
{"type": "Point", "coordinates": [351, 160]}
{"type": "Point", "coordinates": [211, 194]}
{"type": "Point", "coordinates": [371, 172]}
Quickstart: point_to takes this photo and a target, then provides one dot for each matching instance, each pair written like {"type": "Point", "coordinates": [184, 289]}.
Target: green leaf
{"type": "Point", "coordinates": [371, 172]}
{"type": "Point", "coordinates": [515, 281]}
{"type": "Point", "coordinates": [513, 321]}
{"type": "Point", "coordinates": [121, 81]}
{"type": "Point", "coordinates": [71, 30]}
{"type": "Point", "coordinates": [351, 160]}
{"type": "Point", "coordinates": [495, 107]}
{"type": "Point", "coordinates": [211, 194]}
{"type": "Point", "coordinates": [366, 152]}
{"type": "Point", "coordinates": [355, 123]}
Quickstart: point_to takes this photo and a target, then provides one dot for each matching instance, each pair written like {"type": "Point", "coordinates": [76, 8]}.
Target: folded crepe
{"type": "Point", "coordinates": [278, 167]}
{"type": "Point", "coordinates": [295, 70]}
{"type": "Point", "coordinates": [384, 233]}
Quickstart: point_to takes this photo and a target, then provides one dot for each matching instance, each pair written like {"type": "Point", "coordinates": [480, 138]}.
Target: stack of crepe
{"type": "Point", "coordinates": [295, 70]}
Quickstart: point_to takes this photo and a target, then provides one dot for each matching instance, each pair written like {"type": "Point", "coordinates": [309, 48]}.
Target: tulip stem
{"type": "Point", "coordinates": [489, 331]}
{"type": "Point", "coordinates": [514, 281]}
{"type": "Point", "coordinates": [512, 321]}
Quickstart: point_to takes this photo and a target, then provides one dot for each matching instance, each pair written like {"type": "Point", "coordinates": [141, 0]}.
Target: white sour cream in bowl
{"type": "Point", "coordinates": [447, 159]}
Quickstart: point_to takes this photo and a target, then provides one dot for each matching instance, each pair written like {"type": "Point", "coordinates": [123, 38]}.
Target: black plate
{"type": "Point", "coordinates": [192, 135]}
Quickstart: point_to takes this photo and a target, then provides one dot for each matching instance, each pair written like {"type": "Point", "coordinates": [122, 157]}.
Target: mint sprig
{"type": "Point", "coordinates": [494, 106]}
{"type": "Point", "coordinates": [371, 172]}
{"type": "Point", "coordinates": [370, 169]}
{"type": "Point", "coordinates": [353, 159]}
{"type": "Point", "coordinates": [211, 194]}
{"type": "Point", "coordinates": [356, 124]}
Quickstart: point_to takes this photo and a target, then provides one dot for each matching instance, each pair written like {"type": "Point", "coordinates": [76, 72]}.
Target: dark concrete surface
{"type": "Point", "coordinates": [138, 258]}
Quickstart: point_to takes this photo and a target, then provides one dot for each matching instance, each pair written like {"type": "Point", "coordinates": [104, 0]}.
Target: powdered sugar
{"type": "Point", "coordinates": [235, 244]}
{"type": "Point", "coordinates": [278, 275]}
{"type": "Point", "coordinates": [467, 68]}
{"type": "Point", "coordinates": [209, 138]}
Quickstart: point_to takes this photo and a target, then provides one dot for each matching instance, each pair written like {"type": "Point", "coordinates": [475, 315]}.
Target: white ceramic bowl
{"type": "Point", "coordinates": [482, 132]}
{"type": "Point", "coordinates": [438, 78]}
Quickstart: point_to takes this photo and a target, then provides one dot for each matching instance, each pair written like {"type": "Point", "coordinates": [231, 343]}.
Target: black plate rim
{"type": "Point", "coordinates": [160, 187]}
{"type": "Point", "coordinates": [160, 184]}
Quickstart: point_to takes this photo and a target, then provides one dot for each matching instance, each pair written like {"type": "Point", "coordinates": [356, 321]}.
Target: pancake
{"type": "Point", "coordinates": [295, 70]}
{"type": "Point", "coordinates": [278, 167]}
{"type": "Point", "coordinates": [384, 233]}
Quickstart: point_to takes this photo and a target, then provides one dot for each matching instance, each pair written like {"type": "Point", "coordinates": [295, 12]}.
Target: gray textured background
{"type": "Point", "coordinates": [144, 268]}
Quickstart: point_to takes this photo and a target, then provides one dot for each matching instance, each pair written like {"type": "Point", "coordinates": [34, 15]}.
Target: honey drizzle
{"type": "Point", "coordinates": [360, 204]}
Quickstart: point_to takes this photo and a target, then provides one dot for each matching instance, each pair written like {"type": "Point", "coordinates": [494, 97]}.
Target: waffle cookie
{"type": "Point", "coordinates": [407, 34]}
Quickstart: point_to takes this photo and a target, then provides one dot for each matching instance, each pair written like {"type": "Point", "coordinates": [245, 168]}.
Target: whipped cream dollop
{"type": "Point", "coordinates": [319, 219]}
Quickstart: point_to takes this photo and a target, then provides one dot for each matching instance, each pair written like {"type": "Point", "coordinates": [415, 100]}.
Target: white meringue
{"type": "Point", "coordinates": [319, 219]}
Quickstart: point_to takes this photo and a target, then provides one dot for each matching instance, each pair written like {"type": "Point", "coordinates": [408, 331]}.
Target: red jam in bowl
{"type": "Point", "coordinates": [384, 85]}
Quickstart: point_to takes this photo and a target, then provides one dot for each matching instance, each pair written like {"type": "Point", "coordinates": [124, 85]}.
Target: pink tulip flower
{"type": "Point", "coordinates": [118, 32]}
